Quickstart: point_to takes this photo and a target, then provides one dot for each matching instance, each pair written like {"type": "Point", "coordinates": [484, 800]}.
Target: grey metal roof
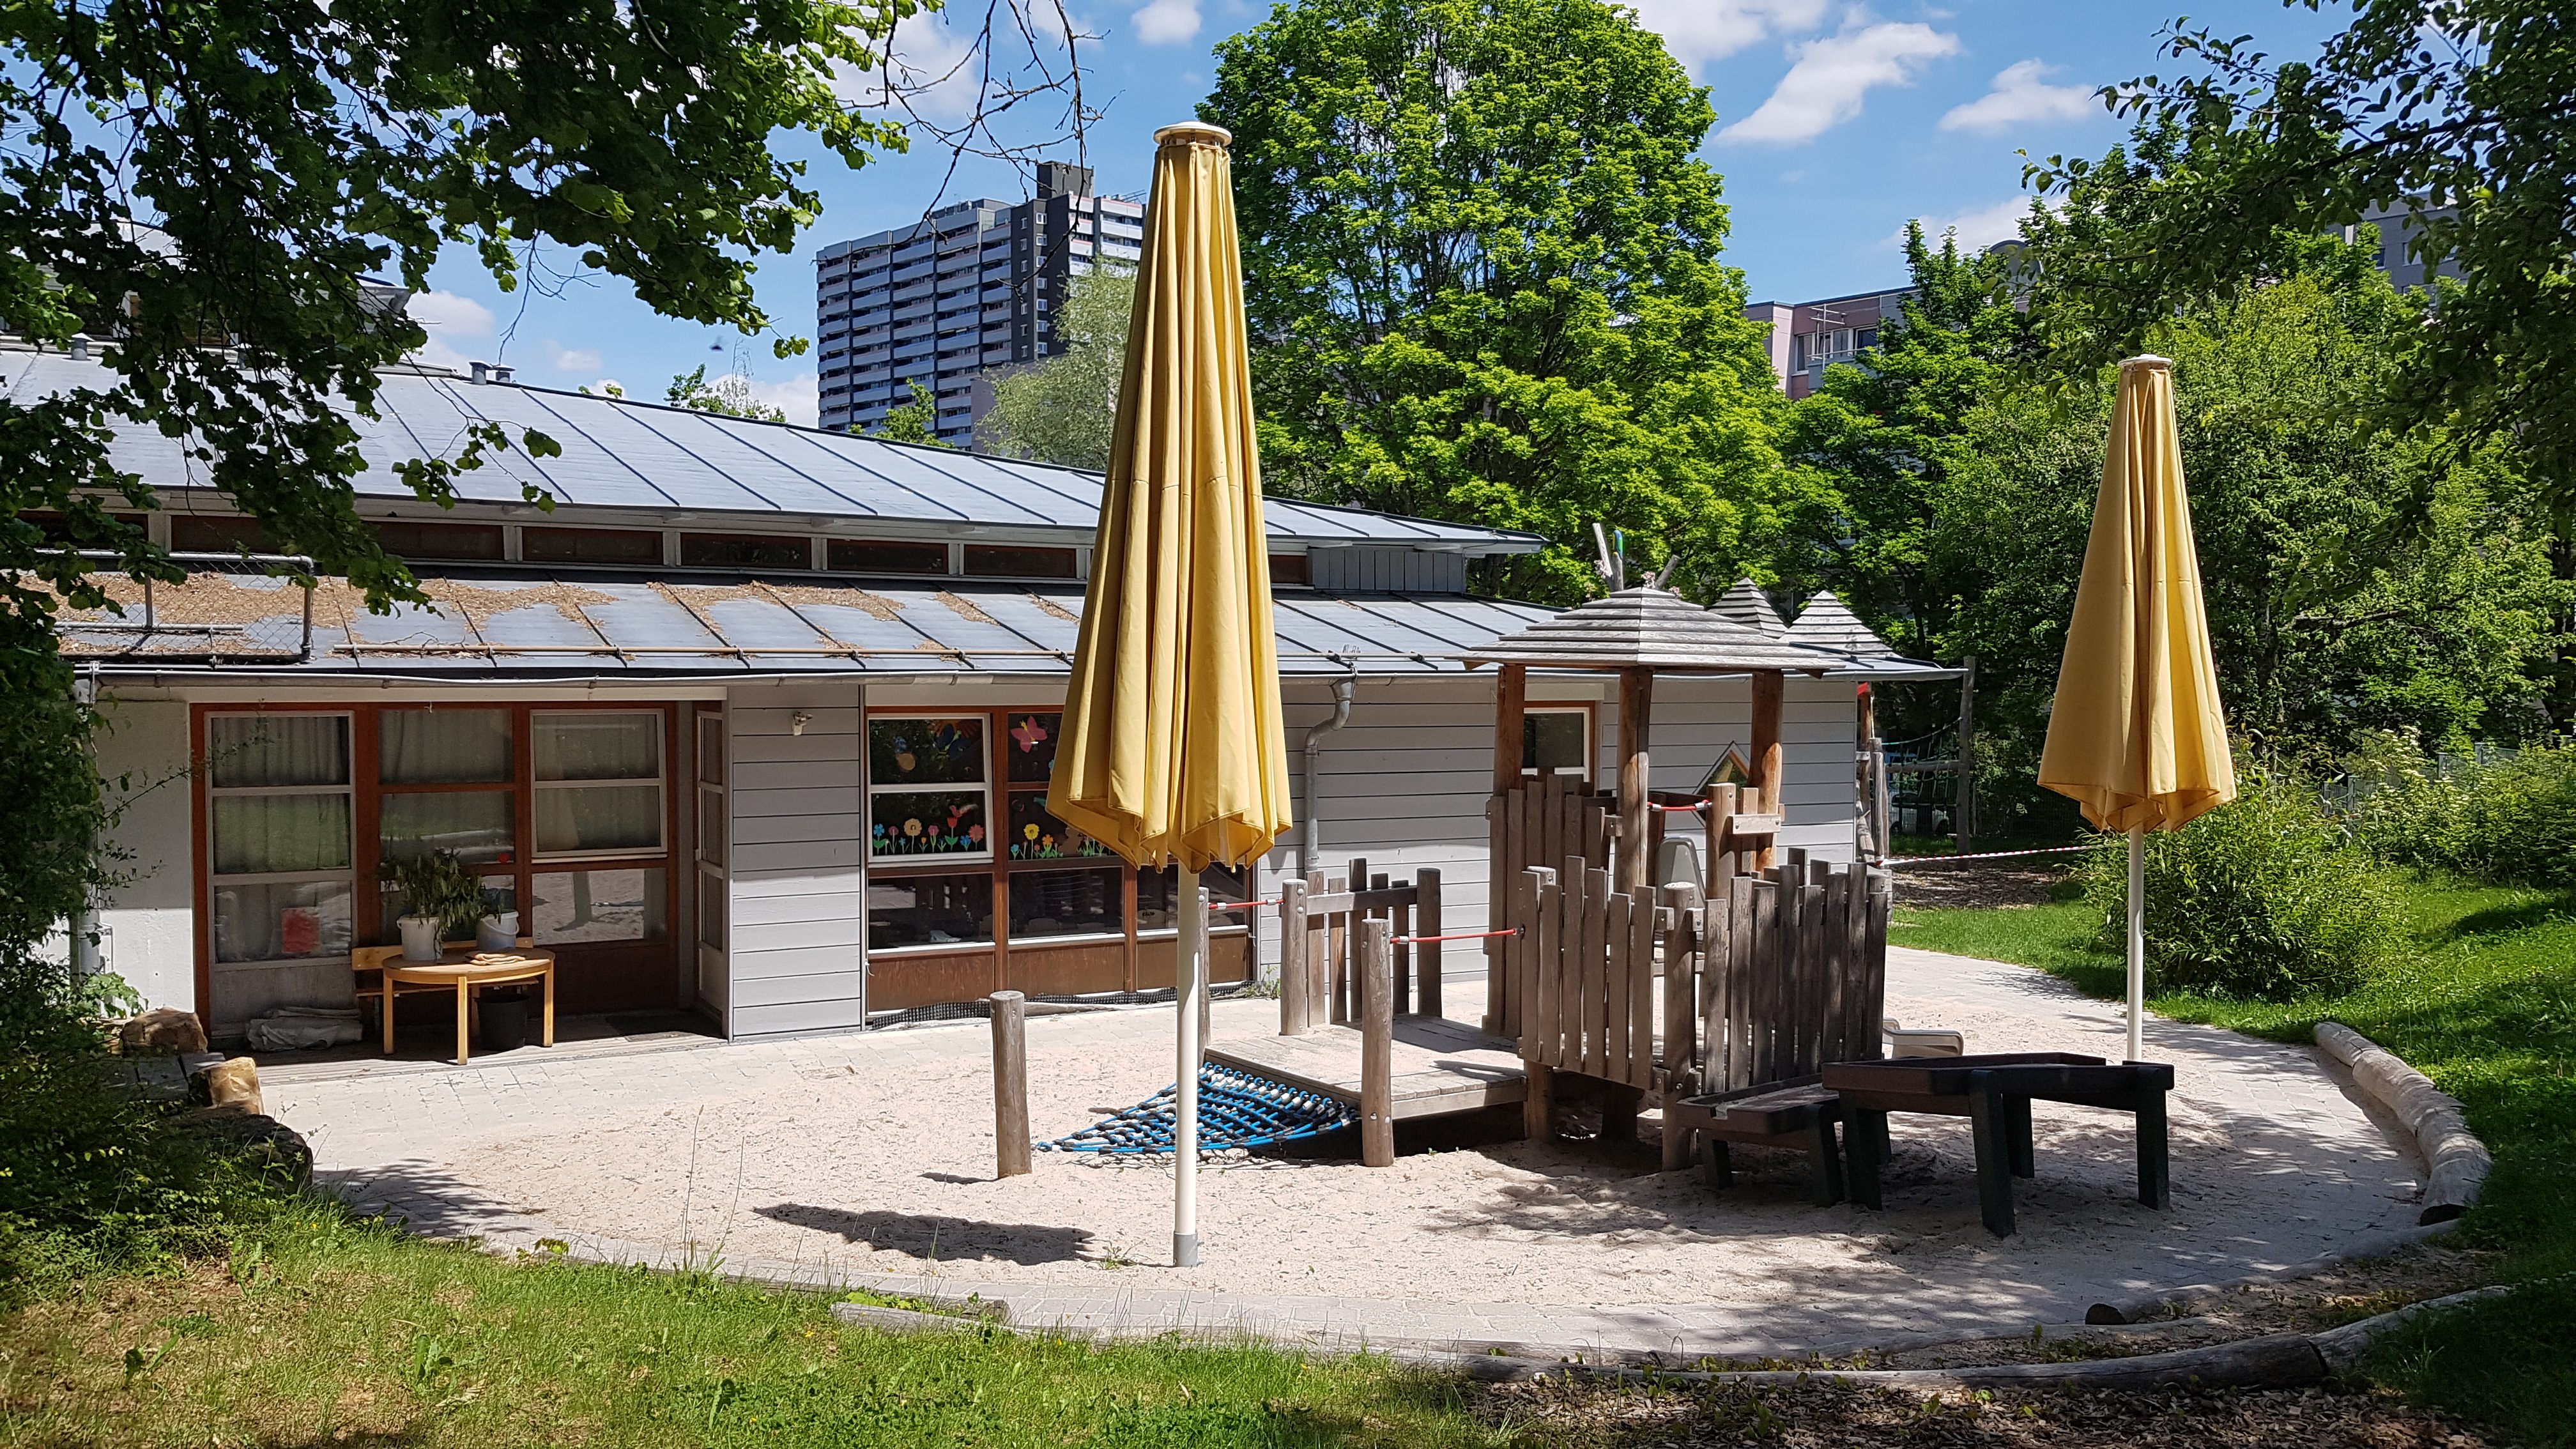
{"type": "Point", "coordinates": [1827, 623]}
{"type": "Point", "coordinates": [620, 453]}
{"type": "Point", "coordinates": [1746, 604]}
{"type": "Point", "coordinates": [520, 622]}
{"type": "Point", "coordinates": [1652, 628]}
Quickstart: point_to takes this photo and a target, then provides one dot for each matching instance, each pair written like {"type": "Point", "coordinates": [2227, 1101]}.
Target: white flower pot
{"type": "Point", "coordinates": [498, 933]}
{"type": "Point", "coordinates": [419, 937]}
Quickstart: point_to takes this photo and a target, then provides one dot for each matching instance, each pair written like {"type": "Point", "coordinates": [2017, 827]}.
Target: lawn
{"type": "Point", "coordinates": [319, 1329]}
{"type": "Point", "coordinates": [2484, 1003]}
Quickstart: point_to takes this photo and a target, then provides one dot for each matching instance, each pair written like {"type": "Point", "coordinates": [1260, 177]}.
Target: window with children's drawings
{"type": "Point", "coordinates": [929, 790]}
{"type": "Point", "coordinates": [1033, 831]}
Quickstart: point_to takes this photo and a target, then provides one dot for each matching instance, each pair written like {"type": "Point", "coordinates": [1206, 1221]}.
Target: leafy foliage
{"type": "Point", "coordinates": [915, 422]}
{"type": "Point", "coordinates": [439, 885]}
{"type": "Point", "coordinates": [1063, 410]}
{"type": "Point", "coordinates": [729, 395]}
{"type": "Point", "coordinates": [1482, 258]}
{"type": "Point", "coordinates": [2459, 108]}
{"type": "Point", "coordinates": [2260, 899]}
{"type": "Point", "coordinates": [2509, 820]}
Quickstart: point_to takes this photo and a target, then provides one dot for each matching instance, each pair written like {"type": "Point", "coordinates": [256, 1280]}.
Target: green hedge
{"type": "Point", "coordinates": [2510, 820]}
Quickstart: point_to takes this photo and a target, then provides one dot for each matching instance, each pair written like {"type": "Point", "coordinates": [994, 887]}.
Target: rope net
{"type": "Point", "coordinates": [1236, 1110]}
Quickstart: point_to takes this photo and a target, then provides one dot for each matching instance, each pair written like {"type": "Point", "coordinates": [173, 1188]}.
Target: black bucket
{"type": "Point", "coordinates": [505, 1019]}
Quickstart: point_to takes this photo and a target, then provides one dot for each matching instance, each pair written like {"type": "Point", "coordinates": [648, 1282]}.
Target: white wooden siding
{"type": "Point", "coordinates": [796, 954]}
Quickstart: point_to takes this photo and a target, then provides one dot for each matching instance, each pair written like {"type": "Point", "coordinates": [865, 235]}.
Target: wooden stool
{"type": "Point", "coordinates": [1798, 1115]}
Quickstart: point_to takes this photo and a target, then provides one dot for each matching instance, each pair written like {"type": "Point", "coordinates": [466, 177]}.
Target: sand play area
{"type": "Point", "coordinates": [872, 1156]}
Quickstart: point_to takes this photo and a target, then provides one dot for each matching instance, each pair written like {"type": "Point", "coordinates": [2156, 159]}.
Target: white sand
{"type": "Point", "coordinates": [874, 1155]}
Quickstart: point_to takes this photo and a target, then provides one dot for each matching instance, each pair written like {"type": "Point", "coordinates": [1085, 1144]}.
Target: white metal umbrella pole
{"type": "Point", "coordinates": [2137, 943]}
{"type": "Point", "coordinates": [1191, 984]}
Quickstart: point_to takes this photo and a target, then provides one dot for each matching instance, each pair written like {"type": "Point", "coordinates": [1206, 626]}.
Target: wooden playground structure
{"type": "Point", "coordinates": [1756, 974]}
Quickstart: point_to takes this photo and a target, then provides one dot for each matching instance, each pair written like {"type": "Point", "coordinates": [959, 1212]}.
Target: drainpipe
{"type": "Point", "coordinates": [1310, 842]}
{"type": "Point", "coordinates": [85, 961]}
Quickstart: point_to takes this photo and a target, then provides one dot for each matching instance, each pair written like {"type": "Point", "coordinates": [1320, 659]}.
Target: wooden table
{"type": "Point", "coordinates": [467, 970]}
{"type": "Point", "coordinates": [1995, 1092]}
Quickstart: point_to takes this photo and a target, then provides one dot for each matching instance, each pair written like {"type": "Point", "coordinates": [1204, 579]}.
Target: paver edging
{"type": "Point", "coordinates": [2456, 1161]}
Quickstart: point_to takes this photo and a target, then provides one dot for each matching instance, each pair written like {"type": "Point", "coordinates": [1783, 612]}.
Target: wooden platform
{"type": "Point", "coordinates": [1440, 1066]}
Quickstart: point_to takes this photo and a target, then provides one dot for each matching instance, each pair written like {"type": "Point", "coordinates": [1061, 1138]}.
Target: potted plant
{"type": "Point", "coordinates": [442, 899]}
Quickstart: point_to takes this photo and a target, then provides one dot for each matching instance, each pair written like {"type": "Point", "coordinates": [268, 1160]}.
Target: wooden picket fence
{"type": "Point", "coordinates": [1320, 921]}
{"type": "Point", "coordinates": [1786, 973]}
{"type": "Point", "coordinates": [1542, 822]}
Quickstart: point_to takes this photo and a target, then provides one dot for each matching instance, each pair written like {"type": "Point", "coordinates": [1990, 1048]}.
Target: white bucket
{"type": "Point", "coordinates": [419, 937]}
{"type": "Point", "coordinates": [498, 933]}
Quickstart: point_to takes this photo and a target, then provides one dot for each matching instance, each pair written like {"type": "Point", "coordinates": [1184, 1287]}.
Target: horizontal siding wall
{"type": "Point", "coordinates": [797, 956]}
{"type": "Point", "coordinates": [1405, 783]}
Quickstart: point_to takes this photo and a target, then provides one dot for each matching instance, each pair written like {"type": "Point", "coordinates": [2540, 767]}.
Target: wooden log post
{"type": "Point", "coordinates": [1426, 957]}
{"type": "Point", "coordinates": [1683, 913]}
{"type": "Point", "coordinates": [1296, 993]}
{"type": "Point", "coordinates": [1010, 1084]}
{"type": "Point", "coordinates": [1721, 841]}
{"type": "Point", "coordinates": [1511, 711]}
{"type": "Point", "coordinates": [1377, 1042]}
{"type": "Point", "coordinates": [1769, 691]}
{"type": "Point", "coordinates": [1636, 832]}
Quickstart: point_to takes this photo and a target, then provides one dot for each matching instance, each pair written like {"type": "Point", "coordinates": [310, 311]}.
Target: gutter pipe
{"type": "Point", "coordinates": [1310, 842]}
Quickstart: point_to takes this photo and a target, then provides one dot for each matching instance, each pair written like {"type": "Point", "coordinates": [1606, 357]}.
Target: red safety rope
{"type": "Point", "coordinates": [1457, 936]}
{"type": "Point", "coordinates": [1995, 855]}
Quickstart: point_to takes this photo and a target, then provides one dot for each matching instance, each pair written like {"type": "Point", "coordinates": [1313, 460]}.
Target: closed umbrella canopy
{"type": "Point", "coordinates": [1173, 748]}
{"type": "Point", "coordinates": [2138, 737]}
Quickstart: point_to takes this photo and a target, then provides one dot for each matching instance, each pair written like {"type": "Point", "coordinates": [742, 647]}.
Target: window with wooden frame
{"type": "Point", "coordinates": [280, 820]}
{"type": "Point", "coordinates": [1556, 739]}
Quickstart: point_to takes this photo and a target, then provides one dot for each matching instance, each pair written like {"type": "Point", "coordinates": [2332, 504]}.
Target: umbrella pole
{"type": "Point", "coordinates": [1192, 983]}
{"type": "Point", "coordinates": [2137, 943]}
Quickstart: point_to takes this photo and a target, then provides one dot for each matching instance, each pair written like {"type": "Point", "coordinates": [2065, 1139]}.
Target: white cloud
{"type": "Point", "coordinates": [1166, 22]}
{"type": "Point", "coordinates": [1831, 77]}
{"type": "Point", "coordinates": [1977, 229]}
{"type": "Point", "coordinates": [571, 359]}
{"type": "Point", "coordinates": [449, 319]}
{"type": "Point", "coordinates": [795, 397]}
{"type": "Point", "coordinates": [1699, 31]}
{"type": "Point", "coordinates": [935, 72]}
{"type": "Point", "coordinates": [2021, 94]}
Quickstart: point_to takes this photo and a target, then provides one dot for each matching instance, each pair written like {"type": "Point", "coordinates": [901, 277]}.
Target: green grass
{"type": "Point", "coordinates": [2484, 1003]}
{"type": "Point", "coordinates": [320, 1330]}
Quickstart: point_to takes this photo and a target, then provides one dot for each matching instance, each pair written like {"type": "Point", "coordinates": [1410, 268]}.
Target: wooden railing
{"type": "Point", "coordinates": [1320, 920]}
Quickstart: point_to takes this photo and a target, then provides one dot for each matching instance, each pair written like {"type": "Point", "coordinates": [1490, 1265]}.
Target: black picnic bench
{"type": "Point", "coordinates": [1993, 1091]}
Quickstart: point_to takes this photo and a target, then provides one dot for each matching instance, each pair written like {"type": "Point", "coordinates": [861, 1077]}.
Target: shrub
{"type": "Point", "coordinates": [2263, 898]}
{"type": "Point", "coordinates": [2509, 820]}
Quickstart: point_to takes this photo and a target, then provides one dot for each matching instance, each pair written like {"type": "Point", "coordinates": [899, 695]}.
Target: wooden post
{"type": "Point", "coordinates": [1720, 865]}
{"type": "Point", "coordinates": [1681, 1012]}
{"type": "Point", "coordinates": [1636, 832]}
{"type": "Point", "coordinates": [1426, 957]}
{"type": "Point", "coordinates": [1296, 995]}
{"type": "Point", "coordinates": [1769, 688]}
{"type": "Point", "coordinates": [1511, 711]}
{"type": "Point", "coordinates": [1010, 1084]}
{"type": "Point", "coordinates": [1964, 811]}
{"type": "Point", "coordinates": [1377, 1042]}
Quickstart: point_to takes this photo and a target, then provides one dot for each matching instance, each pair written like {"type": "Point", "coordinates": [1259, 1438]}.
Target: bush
{"type": "Point", "coordinates": [2263, 898]}
{"type": "Point", "coordinates": [2511, 820]}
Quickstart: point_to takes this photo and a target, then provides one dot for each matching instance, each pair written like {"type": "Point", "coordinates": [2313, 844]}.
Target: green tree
{"type": "Point", "coordinates": [1481, 261]}
{"type": "Point", "coordinates": [2356, 580]}
{"type": "Point", "coordinates": [729, 395]}
{"type": "Point", "coordinates": [1063, 410]}
{"type": "Point", "coordinates": [915, 422]}
{"type": "Point", "coordinates": [1892, 433]}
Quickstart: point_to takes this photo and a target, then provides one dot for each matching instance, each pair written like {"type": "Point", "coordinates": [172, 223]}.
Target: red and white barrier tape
{"type": "Point", "coordinates": [1991, 855]}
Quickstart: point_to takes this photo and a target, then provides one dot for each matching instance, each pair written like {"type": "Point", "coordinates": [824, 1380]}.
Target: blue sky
{"type": "Point", "coordinates": [1836, 123]}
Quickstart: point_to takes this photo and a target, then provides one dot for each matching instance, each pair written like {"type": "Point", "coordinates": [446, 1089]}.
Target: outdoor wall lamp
{"type": "Point", "coordinates": [797, 722]}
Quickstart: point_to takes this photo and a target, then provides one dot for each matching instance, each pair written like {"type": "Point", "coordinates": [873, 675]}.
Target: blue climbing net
{"type": "Point", "coordinates": [1236, 1109]}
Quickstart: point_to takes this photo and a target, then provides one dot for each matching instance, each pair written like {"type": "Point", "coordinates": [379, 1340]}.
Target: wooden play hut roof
{"type": "Point", "coordinates": [1746, 604]}
{"type": "Point", "coordinates": [1647, 628]}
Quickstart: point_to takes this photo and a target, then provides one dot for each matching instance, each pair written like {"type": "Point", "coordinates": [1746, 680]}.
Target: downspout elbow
{"type": "Point", "coordinates": [1310, 841]}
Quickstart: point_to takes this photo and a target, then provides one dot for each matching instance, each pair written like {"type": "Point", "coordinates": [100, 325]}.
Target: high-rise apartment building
{"type": "Point", "coordinates": [973, 286]}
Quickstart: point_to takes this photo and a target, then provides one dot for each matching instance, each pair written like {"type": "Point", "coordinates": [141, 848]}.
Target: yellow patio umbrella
{"type": "Point", "coordinates": [2137, 736]}
{"type": "Point", "coordinates": [1172, 748]}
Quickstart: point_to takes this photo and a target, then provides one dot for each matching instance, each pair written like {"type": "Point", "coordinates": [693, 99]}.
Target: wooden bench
{"type": "Point", "coordinates": [1798, 1115]}
{"type": "Point", "coordinates": [1994, 1092]}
